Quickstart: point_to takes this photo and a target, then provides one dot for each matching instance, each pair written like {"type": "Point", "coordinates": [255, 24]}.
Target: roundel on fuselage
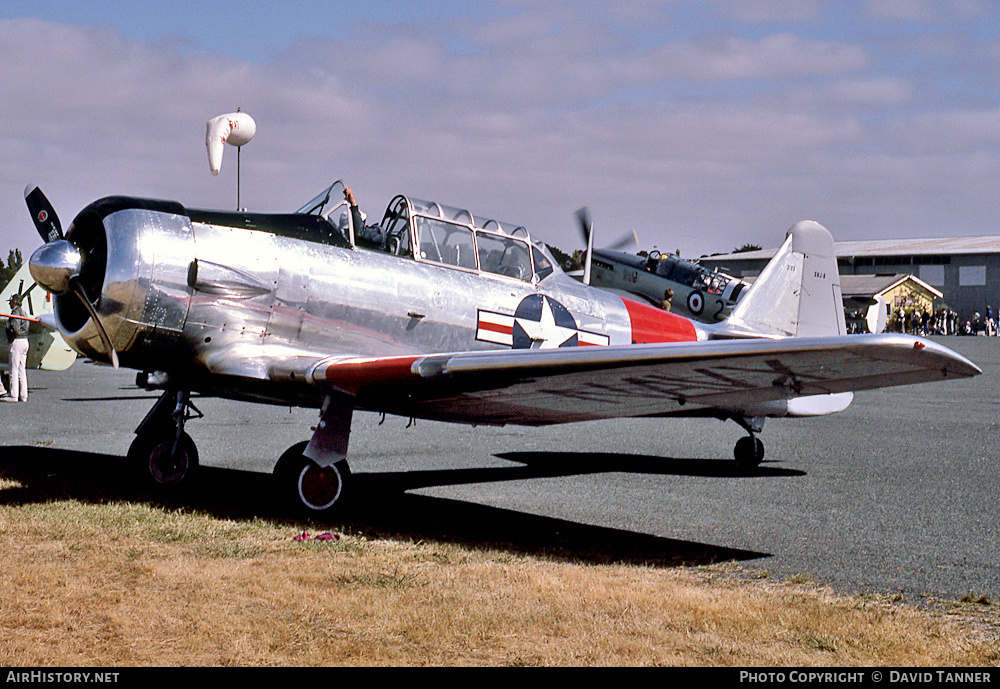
{"type": "Point", "coordinates": [696, 302]}
{"type": "Point", "coordinates": [541, 320]}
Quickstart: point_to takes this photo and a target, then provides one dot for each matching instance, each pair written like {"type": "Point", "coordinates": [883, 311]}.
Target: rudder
{"type": "Point", "coordinates": [798, 293]}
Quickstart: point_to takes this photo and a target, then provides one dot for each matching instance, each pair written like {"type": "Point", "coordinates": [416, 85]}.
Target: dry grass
{"type": "Point", "coordinates": [133, 584]}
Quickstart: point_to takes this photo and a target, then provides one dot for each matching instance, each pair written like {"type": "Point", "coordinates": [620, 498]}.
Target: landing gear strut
{"type": "Point", "coordinates": [163, 456]}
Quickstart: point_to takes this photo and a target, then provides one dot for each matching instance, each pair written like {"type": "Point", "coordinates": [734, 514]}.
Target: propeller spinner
{"type": "Point", "coordinates": [53, 265]}
{"type": "Point", "coordinates": [56, 265]}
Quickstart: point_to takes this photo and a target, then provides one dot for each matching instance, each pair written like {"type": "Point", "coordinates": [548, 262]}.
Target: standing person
{"type": "Point", "coordinates": [10, 338]}
{"type": "Point", "coordinates": [668, 299]}
{"type": "Point", "coordinates": [17, 332]}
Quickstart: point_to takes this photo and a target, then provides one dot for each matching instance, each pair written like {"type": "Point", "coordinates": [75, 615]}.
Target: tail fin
{"type": "Point", "coordinates": [798, 292]}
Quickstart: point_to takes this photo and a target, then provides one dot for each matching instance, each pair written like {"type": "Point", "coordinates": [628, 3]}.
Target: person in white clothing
{"type": "Point", "coordinates": [17, 333]}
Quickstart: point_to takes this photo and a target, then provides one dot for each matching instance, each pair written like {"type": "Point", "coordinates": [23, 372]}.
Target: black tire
{"type": "Point", "coordinates": [310, 489]}
{"type": "Point", "coordinates": [749, 452]}
{"type": "Point", "coordinates": [151, 464]}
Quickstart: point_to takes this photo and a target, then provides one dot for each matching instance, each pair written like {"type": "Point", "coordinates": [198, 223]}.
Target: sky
{"type": "Point", "coordinates": [700, 126]}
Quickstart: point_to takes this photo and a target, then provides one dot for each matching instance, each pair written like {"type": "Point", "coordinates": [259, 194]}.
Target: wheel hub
{"type": "Point", "coordinates": [319, 487]}
{"type": "Point", "coordinates": [168, 465]}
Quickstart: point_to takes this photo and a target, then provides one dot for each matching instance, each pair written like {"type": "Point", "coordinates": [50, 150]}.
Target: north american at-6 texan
{"type": "Point", "coordinates": [433, 313]}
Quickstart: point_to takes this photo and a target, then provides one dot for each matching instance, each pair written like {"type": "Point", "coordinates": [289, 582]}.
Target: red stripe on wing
{"type": "Point", "coordinates": [353, 374]}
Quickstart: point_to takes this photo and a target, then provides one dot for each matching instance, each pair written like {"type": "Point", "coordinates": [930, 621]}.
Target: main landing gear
{"type": "Point", "coordinates": [163, 456]}
{"type": "Point", "coordinates": [308, 487]}
{"type": "Point", "coordinates": [749, 450]}
{"type": "Point", "coordinates": [312, 475]}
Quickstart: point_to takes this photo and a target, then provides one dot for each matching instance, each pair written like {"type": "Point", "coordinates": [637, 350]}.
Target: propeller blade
{"type": "Point", "coordinates": [583, 218]}
{"type": "Point", "coordinates": [628, 240]}
{"type": "Point", "coordinates": [42, 214]}
{"type": "Point", "coordinates": [26, 294]}
{"type": "Point", "coordinates": [587, 231]}
{"type": "Point", "coordinates": [77, 287]}
{"type": "Point", "coordinates": [587, 228]}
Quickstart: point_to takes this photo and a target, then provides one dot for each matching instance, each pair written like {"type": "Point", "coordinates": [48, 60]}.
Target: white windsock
{"type": "Point", "coordinates": [235, 128]}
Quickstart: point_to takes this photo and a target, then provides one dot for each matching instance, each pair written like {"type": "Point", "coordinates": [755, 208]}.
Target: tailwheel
{"type": "Point", "coordinates": [163, 459]}
{"type": "Point", "coordinates": [749, 451]}
{"type": "Point", "coordinates": [314, 490]}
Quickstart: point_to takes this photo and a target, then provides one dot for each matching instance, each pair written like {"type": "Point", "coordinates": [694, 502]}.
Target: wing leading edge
{"type": "Point", "coordinates": [542, 387]}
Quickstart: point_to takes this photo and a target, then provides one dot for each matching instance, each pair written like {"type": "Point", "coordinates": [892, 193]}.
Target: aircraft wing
{"type": "Point", "coordinates": [5, 316]}
{"type": "Point", "coordinates": [754, 377]}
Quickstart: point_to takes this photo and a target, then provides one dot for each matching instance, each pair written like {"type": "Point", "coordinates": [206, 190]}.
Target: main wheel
{"type": "Point", "coordinates": [157, 463]}
{"type": "Point", "coordinates": [315, 490]}
{"type": "Point", "coordinates": [749, 451]}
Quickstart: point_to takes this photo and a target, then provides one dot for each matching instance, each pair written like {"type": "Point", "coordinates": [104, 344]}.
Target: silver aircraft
{"type": "Point", "coordinates": [433, 313]}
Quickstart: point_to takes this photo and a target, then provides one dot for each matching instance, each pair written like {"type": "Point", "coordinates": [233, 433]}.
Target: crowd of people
{"type": "Point", "coordinates": [942, 322]}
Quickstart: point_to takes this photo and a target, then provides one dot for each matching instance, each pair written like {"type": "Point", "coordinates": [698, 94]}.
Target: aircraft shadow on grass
{"type": "Point", "coordinates": [383, 507]}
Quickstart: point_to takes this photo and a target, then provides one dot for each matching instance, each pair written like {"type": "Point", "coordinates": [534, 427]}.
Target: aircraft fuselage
{"type": "Point", "coordinates": [191, 290]}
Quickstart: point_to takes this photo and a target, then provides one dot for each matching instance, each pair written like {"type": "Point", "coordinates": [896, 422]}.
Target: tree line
{"type": "Point", "coordinates": [9, 270]}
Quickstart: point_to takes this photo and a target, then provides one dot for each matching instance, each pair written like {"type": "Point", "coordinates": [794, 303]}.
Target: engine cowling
{"type": "Point", "coordinates": [134, 256]}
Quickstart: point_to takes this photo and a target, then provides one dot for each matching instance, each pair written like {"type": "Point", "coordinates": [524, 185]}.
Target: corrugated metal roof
{"type": "Point", "coordinates": [890, 247]}
{"type": "Point", "coordinates": [868, 285]}
{"type": "Point", "coordinates": [855, 285]}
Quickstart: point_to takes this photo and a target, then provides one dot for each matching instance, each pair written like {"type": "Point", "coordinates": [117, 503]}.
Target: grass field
{"type": "Point", "coordinates": [91, 578]}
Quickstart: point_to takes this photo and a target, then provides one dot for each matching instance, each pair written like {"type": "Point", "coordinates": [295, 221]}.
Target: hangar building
{"type": "Point", "coordinates": [965, 270]}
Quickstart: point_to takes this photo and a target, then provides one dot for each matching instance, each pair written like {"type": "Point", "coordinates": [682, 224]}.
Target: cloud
{"type": "Point", "coordinates": [928, 11]}
{"type": "Point", "coordinates": [778, 56]}
{"type": "Point", "coordinates": [868, 93]}
{"type": "Point", "coordinates": [952, 131]}
{"type": "Point", "coordinates": [702, 142]}
{"type": "Point", "coordinates": [766, 11]}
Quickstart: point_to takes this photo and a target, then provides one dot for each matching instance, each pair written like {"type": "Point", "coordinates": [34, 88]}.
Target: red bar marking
{"type": "Point", "coordinates": [650, 324]}
{"type": "Point", "coordinates": [496, 328]}
{"type": "Point", "coordinates": [356, 374]}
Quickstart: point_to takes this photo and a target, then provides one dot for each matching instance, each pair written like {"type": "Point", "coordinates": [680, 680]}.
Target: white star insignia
{"type": "Point", "coordinates": [544, 333]}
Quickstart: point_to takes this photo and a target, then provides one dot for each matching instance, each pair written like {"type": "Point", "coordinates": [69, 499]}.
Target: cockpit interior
{"type": "Point", "coordinates": [431, 232]}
